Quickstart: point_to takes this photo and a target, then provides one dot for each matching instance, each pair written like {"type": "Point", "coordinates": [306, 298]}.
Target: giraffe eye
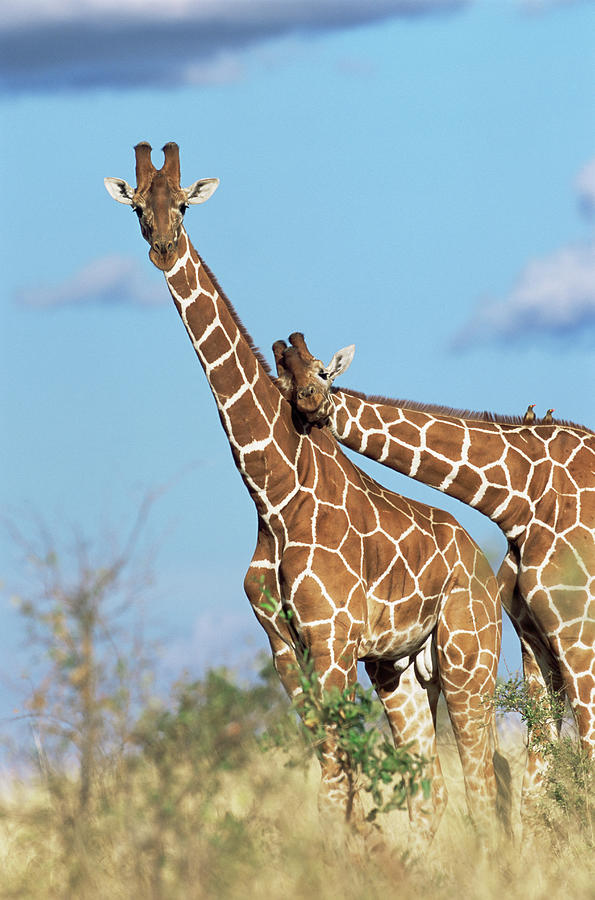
{"type": "Point", "coordinates": [322, 374]}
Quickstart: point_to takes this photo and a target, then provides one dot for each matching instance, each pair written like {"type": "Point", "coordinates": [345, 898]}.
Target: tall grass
{"type": "Point", "coordinates": [195, 807]}
{"type": "Point", "coordinates": [213, 792]}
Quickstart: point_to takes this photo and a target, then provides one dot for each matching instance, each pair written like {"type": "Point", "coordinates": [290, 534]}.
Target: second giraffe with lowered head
{"type": "Point", "coordinates": [536, 483]}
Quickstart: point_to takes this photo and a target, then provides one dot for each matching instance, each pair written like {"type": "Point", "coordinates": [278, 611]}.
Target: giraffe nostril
{"type": "Point", "coordinates": [170, 246]}
{"type": "Point", "coordinates": [305, 392]}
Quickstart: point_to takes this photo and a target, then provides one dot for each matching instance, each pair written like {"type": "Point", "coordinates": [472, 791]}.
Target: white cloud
{"type": "Point", "coordinates": [109, 280]}
{"type": "Point", "coordinates": [554, 297]}
{"type": "Point", "coordinates": [77, 44]}
{"type": "Point", "coordinates": [585, 186]}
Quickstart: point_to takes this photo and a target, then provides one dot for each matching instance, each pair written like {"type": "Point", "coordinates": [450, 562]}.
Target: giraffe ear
{"type": "Point", "coordinates": [119, 189]}
{"type": "Point", "coordinates": [201, 190]}
{"type": "Point", "coordinates": [340, 362]}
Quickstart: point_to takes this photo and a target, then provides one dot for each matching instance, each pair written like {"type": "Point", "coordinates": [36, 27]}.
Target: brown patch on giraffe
{"type": "Point", "coordinates": [311, 604]}
{"type": "Point", "coordinates": [562, 570]}
{"type": "Point", "coordinates": [375, 446]}
{"type": "Point", "coordinates": [537, 536]}
{"type": "Point", "coordinates": [369, 419]}
{"type": "Point", "coordinates": [563, 446]}
{"type": "Point", "coordinates": [542, 609]}
{"type": "Point", "coordinates": [517, 463]}
{"type": "Point", "coordinates": [473, 481]}
{"type": "Point", "coordinates": [227, 384]}
{"type": "Point", "coordinates": [183, 243]}
{"type": "Point", "coordinates": [343, 625]}
{"type": "Point", "coordinates": [381, 552]}
{"type": "Point", "coordinates": [496, 474]}
{"type": "Point", "coordinates": [210, 348]}
{"type": "Point", "coordinates": [230, 328]}
{"type": "Point", "coordinates": [259, 465]}
{"type": "Point", "coordinates": [194, 255]}
{"type": "Point", "coordinates": [447, 531]}
{"type": "Point", "coordinates": [301, 521]}
{"type": "Point", "coordinates": [318, 639]}
{"type": "Point", "coordinates": [562, 482]}
{"type": "Point", "coordinates": [480, 455]}
{"type": "Point", "coordinates": [402, 580]}
{"type": "Point", "coordinates": [191, 274]}
{"type": "Point", "coordinates": [408, 435]}
{"type": "Point", "coordinates": [248, 424]}
{"type": "Point", "coordinates": [307, 472]}
{"type": "Point", "coordinates": [493, 498]}
{"type": "Point", "coordinates": [332, 525]}
{"type": "Point", "coordinates": [229, 310]}
{"type": "Point", "coordinates": [567, 511]}
{"type": "Point", "coordinates": [449, 436]}
{"type": "Point", "coordinates": [400, 583]}
{"type": "Point", "coordinates": [580, 463]}
{"type": "Point", "coordinates": [452, 656]}
{"type": "Point", "coordinates": [248, 364]}
{"type": "Point", "coordinates": [564, 603]}
{"type": "Point", "coordinates": [179, 283]}
{"type": "Point", "coordinates": [342, 581]}
{"type": "Point", "coordinates": [441, 468]}
{"type": "Point", "coordinates": [582, 541]}
{"type": "Point", "coordinates": [352, 550]}
{"type": "Point", "coordinates": [361, 510]}
{"type": "Point", "coordinates": [204, 282]}
{"type": "Point", "coordinates": [538, 480]}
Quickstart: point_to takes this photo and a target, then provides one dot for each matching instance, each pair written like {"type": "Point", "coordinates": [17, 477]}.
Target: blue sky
{"type": "Point", "coordinates": [416, 178]}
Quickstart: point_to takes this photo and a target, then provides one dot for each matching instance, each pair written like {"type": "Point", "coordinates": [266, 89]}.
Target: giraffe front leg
{"type": "Point", "coordinates": [309, 663]}
{"type": "Point", "coordinates": [262, 589]}
{"type": "Point", "coordinates": [332, 670]}
{"type": "Point", "coordinates": [410, 707]}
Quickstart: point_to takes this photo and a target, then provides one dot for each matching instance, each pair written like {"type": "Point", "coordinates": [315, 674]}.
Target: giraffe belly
{"type": "Point", "coordinates": [396, 629]}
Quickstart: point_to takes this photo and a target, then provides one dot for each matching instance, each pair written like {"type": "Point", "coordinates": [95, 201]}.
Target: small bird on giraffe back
{"type": "Point", "coordinates": [529, 416]}
{"type": "Point", "coordinates": [548, 418]}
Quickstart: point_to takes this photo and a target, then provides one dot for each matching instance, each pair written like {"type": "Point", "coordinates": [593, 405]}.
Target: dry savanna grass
{"type": "Point", "coordinates": [212, 792]}
{"type": "Point", "coordinates": [238, 821]}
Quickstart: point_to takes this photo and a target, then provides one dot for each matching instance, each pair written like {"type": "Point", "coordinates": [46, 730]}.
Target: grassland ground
{"type": "Point", "coordinates": [244, 823]}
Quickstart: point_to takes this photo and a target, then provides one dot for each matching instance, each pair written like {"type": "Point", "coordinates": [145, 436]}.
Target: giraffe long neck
{"type": "Point", "coordinates": [495, 468]}
{"type": "Point", "coordinates": [255, 417]}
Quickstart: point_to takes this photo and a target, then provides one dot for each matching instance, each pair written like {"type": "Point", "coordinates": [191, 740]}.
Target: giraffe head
{"type": "Point", "coordinates": [304, 381]}
{"type": "Point", "coordinates": [159, 201]}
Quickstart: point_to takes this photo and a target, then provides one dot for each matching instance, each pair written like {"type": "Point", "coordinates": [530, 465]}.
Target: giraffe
{"type": "Point", "coordinates": [355, 571]}
{"type": "Point", "coordinates": [536, 483]}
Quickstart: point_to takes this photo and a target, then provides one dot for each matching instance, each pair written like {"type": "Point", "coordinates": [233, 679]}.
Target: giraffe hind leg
{"type": "Point", "coordinates": [468, 662]}
{"type": "Point", "coordinates": [410, 707]}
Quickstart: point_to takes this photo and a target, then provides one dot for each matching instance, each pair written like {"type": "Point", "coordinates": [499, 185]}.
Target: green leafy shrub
{"type": "Point", "coordinates": [569, 786]}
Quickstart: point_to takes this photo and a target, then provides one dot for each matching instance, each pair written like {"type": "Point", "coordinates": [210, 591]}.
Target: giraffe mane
{"type": "Point", "coordinates": [471, 414]}
{"type": "Point", "coordinates": [242, 328]}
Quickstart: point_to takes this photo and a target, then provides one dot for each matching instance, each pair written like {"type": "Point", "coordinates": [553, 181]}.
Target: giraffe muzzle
{"type": "Point", "coordinates": [163, 247]}
{"type": "Point", "coordinates": [305, 392]}
{"type": "Point", "coordinates": [163, 254]}
{"type": "Point", "coordinates": [308, 399]}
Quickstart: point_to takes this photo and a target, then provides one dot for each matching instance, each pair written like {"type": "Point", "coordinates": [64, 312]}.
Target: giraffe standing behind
{"type": "Point", "coordinates": [537, 483]}
{"type": "Point", "coordinates": [366, 574]}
